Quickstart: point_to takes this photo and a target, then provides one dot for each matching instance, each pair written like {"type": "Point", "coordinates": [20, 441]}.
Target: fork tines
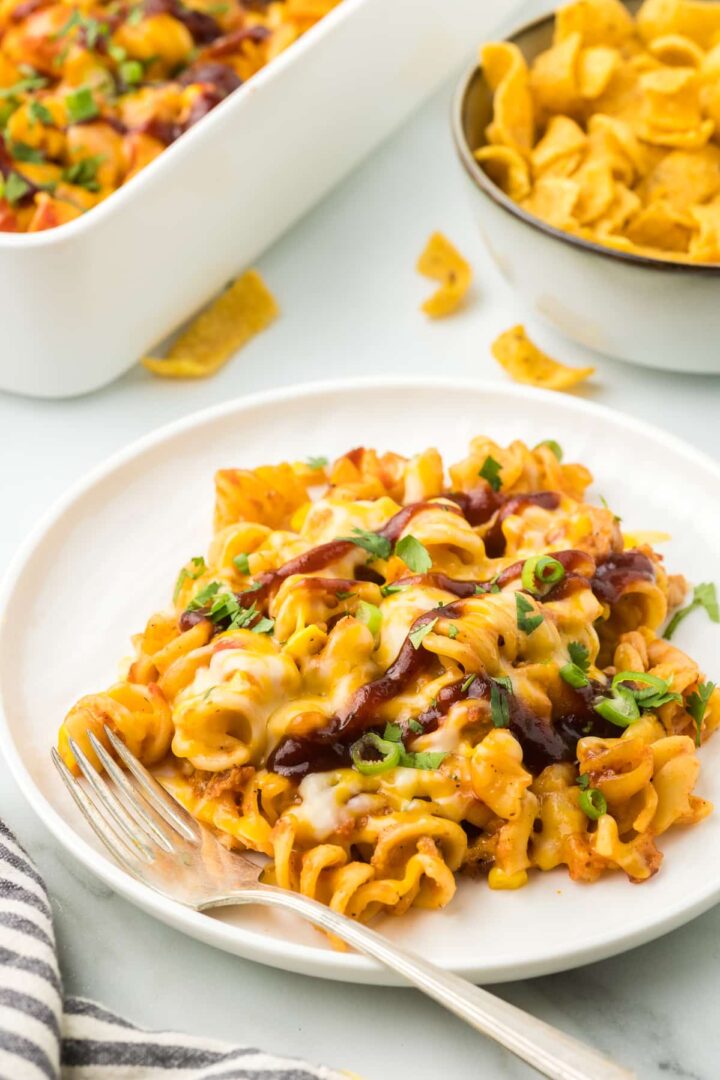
{"type": "Point", "coordinates": [131, 813]}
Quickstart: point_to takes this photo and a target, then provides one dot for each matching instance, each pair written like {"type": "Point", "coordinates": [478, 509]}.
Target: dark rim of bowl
{"type": "Point", "coordinates": [488, 187]}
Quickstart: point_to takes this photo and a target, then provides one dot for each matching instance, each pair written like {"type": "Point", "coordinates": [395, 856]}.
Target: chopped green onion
{"type": "Point", "coordinates": [117, 53]}
{"type": "Point", "coordinates": [583, 781]}
{"type": "Point", "coordinates": [414, 554]}
{"type": "Point", "coordinates": [390, 753]}
{"type": "Point", "coordinates": [418, 636]}
{"type": "Point", "coordinates": [241, 563]}
{"type": "Point", "coordinates": [704, 595]}
{"type": "Point", "coordinates": [468, 683]}
{"type": "Point", "coordinates": [697, 704]}
{"type": "Point", "coordinates": [424, 759]}
{"type": "Point", "coordinates": [74, 20]}
{"type": "Point", "coordinates": [552, 445]}
{"type": "Point", "coordinates": [525, 621]}
{"type": "Point", "coordinates": [621, 709]}
{"type": "Point", "coordinates": [135, 16]}
{"type": "Point", "coordinates": [657, 690]}
{"type": "Point", "coordinates": [574, 676]}
{"type": "Point", "coordinates": [416, 727]}
{"type": "Point", "coordinates": [131, 72]}
{"type": "Point", "coordinates": [490, 471]}
{"type": "Point", "coordinates": [543, 569]}
{"type": "Point", "coordinates": [316, 463]}
{"type": "Point", "coordinates": [393, 732]}
{"type": "Point", "coordinates": [344, 594]}
{"type": "Point", "coordinates": [452, 631]}
{"type": "Point", "coordinates": [592, 803]}
{"type": "Point", "coordinates": [81, 105]}
{"type": "Point", "coordinates": [499, 705]}
{"type": "Point", "coordinates": [379, 547]}
{"type": "Point", "coordinates": [370, 615]}
{"type": "Point", "coordinates": [32, 82]}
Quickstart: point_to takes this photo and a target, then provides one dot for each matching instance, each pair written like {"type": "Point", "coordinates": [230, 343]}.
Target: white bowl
{"type": "Point", "coordinates": [82, 302]}
{"type": "Point", "coordinates": [647, 311]}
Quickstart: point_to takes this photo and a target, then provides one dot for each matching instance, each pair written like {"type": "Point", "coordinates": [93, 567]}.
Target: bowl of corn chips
{"type": "Point", "coordinates": [591, 138]}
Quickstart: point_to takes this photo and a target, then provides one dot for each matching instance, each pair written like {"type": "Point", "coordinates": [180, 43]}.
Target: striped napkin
{"type": "Point", "coordinates": [44, 1037]}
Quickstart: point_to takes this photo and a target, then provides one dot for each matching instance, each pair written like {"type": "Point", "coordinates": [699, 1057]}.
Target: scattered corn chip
{"type": "Point", "coordinates": [525, 363]}
{"type": "Point", "coordinates": [444, 263]}
{"type": "Point", "coordinates": [243, 310]}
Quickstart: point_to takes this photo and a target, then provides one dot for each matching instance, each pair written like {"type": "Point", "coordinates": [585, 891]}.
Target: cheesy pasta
{"type": "Point", "coordinates": [92, 91]}
{"type": "Point", "coordinates": [381, 676]}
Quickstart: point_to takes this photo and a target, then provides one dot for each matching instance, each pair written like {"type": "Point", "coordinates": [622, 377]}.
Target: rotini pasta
{"type": "Point", "coordinates": [381, 680]}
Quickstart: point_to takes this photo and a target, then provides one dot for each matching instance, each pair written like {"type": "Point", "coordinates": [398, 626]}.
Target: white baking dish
{"type": "Point", "coordinates": [82, 302]}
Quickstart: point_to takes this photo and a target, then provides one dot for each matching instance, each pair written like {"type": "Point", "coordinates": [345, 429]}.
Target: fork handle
{"type": "Point", "coordinates": [547, 1049]}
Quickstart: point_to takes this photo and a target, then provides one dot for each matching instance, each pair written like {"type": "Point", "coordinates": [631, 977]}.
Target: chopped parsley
{"type": "Point", "coordinates": [40, 112]}
{"type": "Point", "coordinates": [83, 173]}
{"type": "Point", "coordinates": [526, 620]}
{"type": "Point", "coordinates": [418, 636]}
{"type": "Point", "coordinates": [198, 568]}
{"type": "Point", "coordinates": [490, 471]}
{"type": "Point", "coordinates": [377, 546]}
{"type": "Point", "coordinates": [390, 590]}
{"type": "Point", "coordinates": [704, 595]}
{"type": "Point", "coordinates": [15, 188]}
{"type": "Point", "coordinates": [316, 463]}
{"type": "Point", "coordinates": [697, 704]}
{"type": "Point", "coordinates": [414, 554]}
{"type": "Point", "coordinates": [579, 655]}
{"type": "Point", "coordinates": [206, 594]}
{"type": "Point", "coordinates": [22, 152]}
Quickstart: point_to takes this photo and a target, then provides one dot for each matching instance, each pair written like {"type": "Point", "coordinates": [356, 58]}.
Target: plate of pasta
{"type": "Point", "coordinates": [441, 654]}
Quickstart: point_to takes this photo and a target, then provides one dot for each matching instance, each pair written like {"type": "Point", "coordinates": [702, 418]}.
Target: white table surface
{"type": "Point", "coordinates": [350, 297]}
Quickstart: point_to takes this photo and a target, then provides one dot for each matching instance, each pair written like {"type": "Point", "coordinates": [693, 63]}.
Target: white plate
{"type": "Point", "coordinates": [106, 557]}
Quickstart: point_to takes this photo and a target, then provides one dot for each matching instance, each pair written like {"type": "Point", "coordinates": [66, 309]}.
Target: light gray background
{"type": "Point", "coordinates": [350, 297]}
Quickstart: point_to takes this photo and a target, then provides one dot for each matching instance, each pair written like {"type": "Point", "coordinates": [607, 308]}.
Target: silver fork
{"type": "Point", "coordinates": [156, 840]}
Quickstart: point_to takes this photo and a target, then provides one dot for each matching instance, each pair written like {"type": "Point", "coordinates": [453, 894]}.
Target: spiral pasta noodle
{"type": "Point", "coordinates": [381, 679]}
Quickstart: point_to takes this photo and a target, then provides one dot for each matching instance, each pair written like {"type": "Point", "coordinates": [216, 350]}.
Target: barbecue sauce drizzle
{"type": "Point", "coordinates": [543, 742]}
